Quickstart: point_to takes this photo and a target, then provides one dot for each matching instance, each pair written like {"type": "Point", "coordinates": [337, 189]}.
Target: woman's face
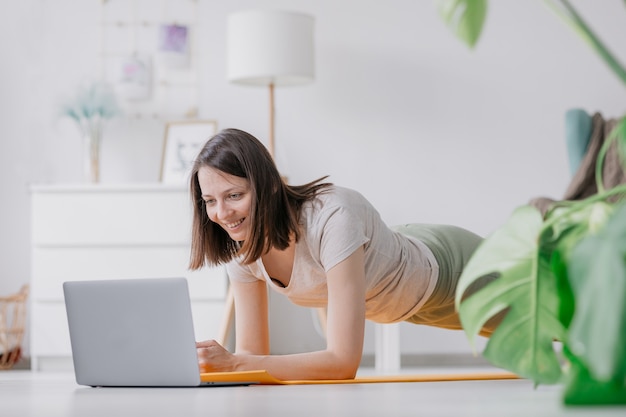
{"type": "Point", "coordinates": [227, 200]}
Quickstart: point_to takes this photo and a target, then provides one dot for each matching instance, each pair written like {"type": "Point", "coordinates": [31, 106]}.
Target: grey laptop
{"type": "Point", "coordinates": [135, 332]}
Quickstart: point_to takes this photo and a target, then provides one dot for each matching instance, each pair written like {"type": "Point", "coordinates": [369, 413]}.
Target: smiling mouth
{"type": "Point", "coordinates": [234, 225]}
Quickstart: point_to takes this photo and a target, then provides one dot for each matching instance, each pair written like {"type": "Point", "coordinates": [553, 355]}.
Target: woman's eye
{"type": "Point", "coordinates": [209, 202]}
{"type": "Point", "coordinates": [235, 196]}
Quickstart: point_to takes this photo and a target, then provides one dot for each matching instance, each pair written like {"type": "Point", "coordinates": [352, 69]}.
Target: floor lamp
{"type": "Point", "coordinates": [271, 49]}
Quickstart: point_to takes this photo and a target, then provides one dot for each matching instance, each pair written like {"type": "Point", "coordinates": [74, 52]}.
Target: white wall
{"type": "Point", "coordinates": [400, 110]}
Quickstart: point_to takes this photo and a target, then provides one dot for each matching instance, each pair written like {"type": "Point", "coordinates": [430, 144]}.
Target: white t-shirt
{"type": "Point", "coordinates": [400, 272]}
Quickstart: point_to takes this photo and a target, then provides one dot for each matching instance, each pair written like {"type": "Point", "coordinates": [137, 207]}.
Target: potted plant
{"type": "Point", "coordinates": [562, 275]}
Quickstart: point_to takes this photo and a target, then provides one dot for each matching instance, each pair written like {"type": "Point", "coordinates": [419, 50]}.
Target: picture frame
{"type": "Point", "coordinates": [183, 140]}
{"type": "Point", "coordinates": [174, 46]}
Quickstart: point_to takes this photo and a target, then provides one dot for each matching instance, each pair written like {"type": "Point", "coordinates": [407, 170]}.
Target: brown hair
{"type": "Point", "coordinates": [275, 208]}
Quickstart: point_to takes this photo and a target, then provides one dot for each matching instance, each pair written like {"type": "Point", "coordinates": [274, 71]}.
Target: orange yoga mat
{"type": "Point", "coordinates": [264, 378]}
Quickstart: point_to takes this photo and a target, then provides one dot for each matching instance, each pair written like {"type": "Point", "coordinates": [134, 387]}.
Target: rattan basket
{"type": "Point", "coordinates": [12, 319]}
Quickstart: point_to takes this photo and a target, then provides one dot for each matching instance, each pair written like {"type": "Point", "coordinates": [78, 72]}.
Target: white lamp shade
{"type": "Point", "coordinates": [270, 47]}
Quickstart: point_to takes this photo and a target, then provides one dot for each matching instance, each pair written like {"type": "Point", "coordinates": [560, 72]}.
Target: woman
{"type": "Point", "coordinates": [321, 246]}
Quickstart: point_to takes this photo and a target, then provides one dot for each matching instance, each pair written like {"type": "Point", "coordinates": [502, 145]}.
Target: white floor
{"type": "Point", "coordinates": [39, 394]}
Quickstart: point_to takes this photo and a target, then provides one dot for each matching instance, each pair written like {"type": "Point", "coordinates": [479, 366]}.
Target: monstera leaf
{"type": "Point", "coordinates": [526, 288]}
{"type": "Point", "coordinates": [464, 17]}
{"type": "Point", "coordinates": [598, 278]}
{"type": "Point", "coordinates": [597, 334]}
{"type": "Point", "coordinates": [565, 227]}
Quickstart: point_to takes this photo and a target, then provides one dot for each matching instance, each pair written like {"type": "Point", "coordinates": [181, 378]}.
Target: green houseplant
{"type": "Point", "coordinates": [562, 275]}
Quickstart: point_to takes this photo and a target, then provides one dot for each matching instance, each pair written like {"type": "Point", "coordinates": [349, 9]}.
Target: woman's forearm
{"type": "Point", "coordinates": [310, 365]}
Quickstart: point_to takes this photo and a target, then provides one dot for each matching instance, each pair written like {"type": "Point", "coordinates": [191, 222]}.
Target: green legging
{"type": "Point", "coordinates": [452, 247]}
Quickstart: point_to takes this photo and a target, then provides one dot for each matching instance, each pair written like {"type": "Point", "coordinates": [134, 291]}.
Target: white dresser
{"type": "Point", "coordinates": [90, 232]}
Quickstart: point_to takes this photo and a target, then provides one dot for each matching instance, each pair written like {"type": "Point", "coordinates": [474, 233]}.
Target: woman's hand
{"type": "Point", "coordinates": [212, 357]}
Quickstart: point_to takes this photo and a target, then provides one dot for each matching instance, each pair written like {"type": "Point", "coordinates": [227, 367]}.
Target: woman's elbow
{"type": "Point", "coordinates": [346, 368]}
{"type": "Point", "coordinates": [349, 373]}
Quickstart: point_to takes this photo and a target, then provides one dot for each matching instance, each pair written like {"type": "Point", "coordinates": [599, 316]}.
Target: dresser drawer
{"type": "Point", "coordinates": [108, 217]}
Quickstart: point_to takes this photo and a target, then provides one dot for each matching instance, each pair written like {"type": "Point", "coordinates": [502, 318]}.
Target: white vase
{"type": "Point", "coordinates": [91, 155]}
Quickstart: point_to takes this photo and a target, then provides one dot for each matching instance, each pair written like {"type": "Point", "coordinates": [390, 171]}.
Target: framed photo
{"type": "Point", "coordinates": [183, 141]}
{"type": "Point", "coordinates": [174, 46]}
